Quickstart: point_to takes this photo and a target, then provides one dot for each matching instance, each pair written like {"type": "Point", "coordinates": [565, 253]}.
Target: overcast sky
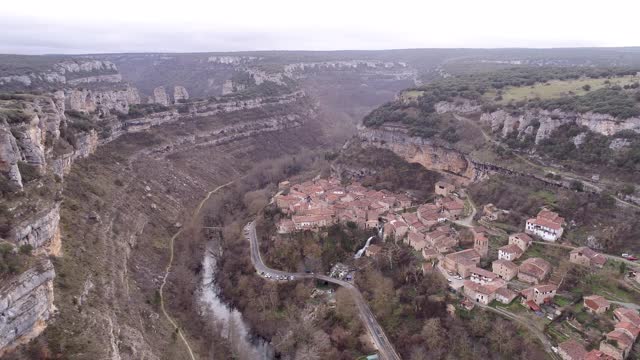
{"type": "Point", "coordinates": [81, 26]}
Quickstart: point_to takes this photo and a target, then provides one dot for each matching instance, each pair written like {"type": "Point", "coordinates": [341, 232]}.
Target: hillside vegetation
{"type": "Point", "coordinates": [614, 91]}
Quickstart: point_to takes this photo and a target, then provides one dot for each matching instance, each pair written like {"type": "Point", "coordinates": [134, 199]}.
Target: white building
{"type": "Point", "coordinates": [547, 225]}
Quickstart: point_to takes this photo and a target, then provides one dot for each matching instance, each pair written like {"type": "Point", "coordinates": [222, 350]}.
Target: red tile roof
{"type": "Point", "coordinates": [573, 349]}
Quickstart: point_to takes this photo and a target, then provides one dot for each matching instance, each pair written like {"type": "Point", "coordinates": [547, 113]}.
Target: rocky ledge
{"type": "Point", "coordinates": [418, 150]}
{"type": "Point", "coordinates": [26, 303]}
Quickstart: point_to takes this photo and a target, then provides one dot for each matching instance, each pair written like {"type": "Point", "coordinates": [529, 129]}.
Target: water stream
{"type": "Point", "coordinates": [361, 251]}
{"type": "Point", "coordinates": [230, 322]}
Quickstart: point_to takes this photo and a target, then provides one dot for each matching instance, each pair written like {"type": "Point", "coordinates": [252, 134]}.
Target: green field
{"type": "Point", "coordinates": [557, 88]}
{"type": "Point", "coordinates": [411, 95]}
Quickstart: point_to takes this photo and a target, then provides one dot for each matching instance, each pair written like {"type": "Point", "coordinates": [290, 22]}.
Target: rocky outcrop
{"type": "Point", "coordinates": [70, 72]}
{"type": "Point", "coordinates": [84, 65]}
{"type": "Point", "coordinates": [30, 141]}
{"type": "Point", "coordinates": [39, 231]}
{"type": "Point", "coordinates": [86, 144]}
{"type": "Point", "coordinates": [541, 123]}
{"type": "Point", "coordinates": [234, 132]}
{"type": "Point", "coordinates": [160, 96]}
{"type": "Point", "coordinates": [418, 150]}
{"type": "Point", "coordinates": [460, 107]}
{"type": "Point", "coordinates": [102, 101]}
{"type": "Point", "coordinates": [9, 157]}
{"type": "Point", "coordinates": [155, 119]}
{"type": "Point", "coordinates": [26, 303]}
{"type": "Point", "coordinates": [180, 94]}
{"type": "Point", "coordinates": [212, 107]}
{"type": "Point", "coordinates": [111, 78]}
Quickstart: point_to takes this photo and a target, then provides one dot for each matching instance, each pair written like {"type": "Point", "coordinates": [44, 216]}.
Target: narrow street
{"type": "Point", "coordinates": [382, 343]}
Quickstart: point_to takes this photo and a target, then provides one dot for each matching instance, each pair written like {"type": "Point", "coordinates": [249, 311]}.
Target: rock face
{"type": "Point", "coordinates": [26, 303]}
{"type": "Point", "coordinates": [160, 96]}
{"type": "Point", "coordinates": [461, 107]}
{"type": "Point", "coordinates": [207, 108]}
{"type": "Point", "coordinates": [102, 101]}
{"type": "Point", "coordinates": [9, 157]}
{"type": "Point", "coordinates": [541, 123]}
{"type": "Point", "coordinates": [41, 231]}
{"type": "Point", "coordinates": [180, 94]}
{"type": "Point", "coordinates": [70, 72]}
{"type": "Point", "coordinates": [418, 150]}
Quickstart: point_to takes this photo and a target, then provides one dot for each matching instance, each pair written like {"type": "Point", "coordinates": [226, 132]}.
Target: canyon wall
{"type": "Point", "coordinates": [546, 121]}
{"type": "Point", "coordinates": [418, 150]}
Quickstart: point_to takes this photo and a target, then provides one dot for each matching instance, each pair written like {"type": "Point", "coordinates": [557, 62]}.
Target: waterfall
{"type": "Point", "coordinates": [361, 251]}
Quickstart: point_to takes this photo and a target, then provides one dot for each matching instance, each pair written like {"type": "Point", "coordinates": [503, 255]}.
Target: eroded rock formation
{"type": "Point", "coordinates": [418, 150]}
{"type": "Point", "coordinates": [26, 303]}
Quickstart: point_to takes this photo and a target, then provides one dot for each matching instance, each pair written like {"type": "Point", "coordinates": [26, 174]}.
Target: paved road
{"type": "Point", "coordinates": [382, 343]}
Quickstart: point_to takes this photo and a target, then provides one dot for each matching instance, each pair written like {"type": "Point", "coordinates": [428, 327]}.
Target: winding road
{"type": "Point", "coordinates": [380, 340]}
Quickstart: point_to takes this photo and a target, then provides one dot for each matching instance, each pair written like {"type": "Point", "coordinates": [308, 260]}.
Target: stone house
{"type": "Point", "coordinates": [505, 295]}
{"type": "Point", "coordinates": [548, 225]}
{"type": "Point", "coordinates": [483, 293]}
{"type": "Point", "coordinates": [285, 226]}
{"type": "Point", "coordinates": [623, 314]}
{"type": "Point", "coordinates": [429, 254]}
{"type": "Point", "coordinates": [617, 344]}
{"type": "Point", "coordinates": [534, 270]}
{"type": "Point", "coordinates": [306, 222]}
{"type": "Point", "coordinates": [396, 228]}
{"type": "Point", "coordinates": [509, 252]}
{"type": "Point", "coordinates": [461, 262]}
{"type": "Point", "coordinates": [480, 241]}
{"type": "Point", "coordinates": [444, 189]}
{"type": "Point", "coordinates": [587, 257]}
{"type": "Point", "coordinates": [596, 304]}
{"type": "Point", "coordinates": [452, 207]}
{"type": "Point", "coordinates": [522, 240]}
{"type": "Point", "coordinates": [505, 269]}
{"type": "Point", "coordinates": [403, 201]}
{"type": "Point", "coordinates": [539, 294]}
{"type": "Point", "coordinates": [571, 350]}
{"type": "Point", "coordinates": [481, 276]}
{"type": "Point", "coordinates": [416, 240]}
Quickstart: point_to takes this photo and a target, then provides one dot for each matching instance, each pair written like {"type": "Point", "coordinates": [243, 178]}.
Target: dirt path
{"type": "Point", "coordinates": [169, 265]}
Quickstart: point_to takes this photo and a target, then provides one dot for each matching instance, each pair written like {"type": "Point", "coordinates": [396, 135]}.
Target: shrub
{"type": "Point", "coordinates": [26, 249]}
{"type": "Point", "coordinates": [28, 171]}
{"type": "Point", "coordinates": [14, 116]}
{"type": "Point", "coordinates": [577, 185]}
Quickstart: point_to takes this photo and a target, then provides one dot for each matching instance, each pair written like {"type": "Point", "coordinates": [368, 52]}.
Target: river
{"type": "Point", "coordinates": [230, 321]}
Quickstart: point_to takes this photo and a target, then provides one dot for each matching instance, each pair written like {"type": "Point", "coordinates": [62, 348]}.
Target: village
{"type": "Point", "coordinates": [433, 230]}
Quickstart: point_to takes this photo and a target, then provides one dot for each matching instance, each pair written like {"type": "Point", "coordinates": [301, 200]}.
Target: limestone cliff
{"type": "Point", "coordinates": [102, 101]}
{"type": "Point", "coordinates": [71, 72]}
{"type": "Point", "coordinates": [208, 107]}
{"type": "Point", "coordinates": [9, 157]}
{"type": "Point", "coordinates": [180, 94]}
{"type": "Point", "coordinates": [160, 96]}
{"type": "Point", "coordinates": [541, 123]}
{"type": "Point", "coordinates": [26, 303]}
{"type": "Point", "coordinates": [41, 231]}
{"type": "Point", "coordinates": [418, 150]}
